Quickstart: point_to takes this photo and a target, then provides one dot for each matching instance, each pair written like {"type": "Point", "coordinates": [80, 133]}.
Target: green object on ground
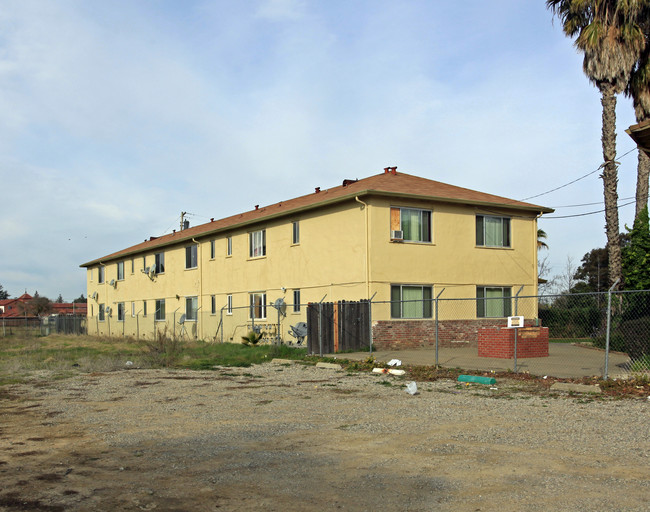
{"type": "Point", "coordinates": [478, 380]}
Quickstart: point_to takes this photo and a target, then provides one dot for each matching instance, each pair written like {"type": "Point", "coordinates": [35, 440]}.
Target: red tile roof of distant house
{"type": "Point", "coordinates": [389, 183]}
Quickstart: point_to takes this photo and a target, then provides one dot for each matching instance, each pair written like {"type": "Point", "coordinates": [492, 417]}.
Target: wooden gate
{"type": "Point", "coordinates": [344, 326]}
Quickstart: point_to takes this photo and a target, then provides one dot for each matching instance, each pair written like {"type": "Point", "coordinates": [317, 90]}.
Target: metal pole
{"type": "Point", "coordinates": [436, 301]}
{"type": "Point", "coordinates": [516, 310]}
{"type": "Point", "coordinates": [175, 322]}
{"type": "Point", "coordinates": [609, 324]}
{"type": "Point", "coordinates": [221, 320]}
{"type": "Point", "coordinates": [370, 319]}
{"type": "Point", "coordinates": [137, 325]}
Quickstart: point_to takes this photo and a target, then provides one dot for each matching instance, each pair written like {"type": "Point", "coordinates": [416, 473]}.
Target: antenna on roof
{"type": "Point", "coordinates": [184, 222]}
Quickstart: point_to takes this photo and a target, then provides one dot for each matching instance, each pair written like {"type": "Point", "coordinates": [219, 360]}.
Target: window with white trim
{"type": "Point", "coordinates": [229, 246]}
{"type": "Point", "coordinates": [296, 301]}
{"type": "Point", "coordinates": [411, 301]}
{"type": "Point", "coordinates": [133, 309]}
{"type": "Point", "coordinates": [493, 301]}
{"type": "Point", "coordinates": [120, 271]}
{"type": "Point", "coordinates": [257, 243]}
{"type": "Point", "coordinates": [258, 306]}
{"type": "Point", "coordinates": [213, 303]}
{"type": "Point", "coordinates": [229, 306]}
{"type": "Point", "coordinates": [132, 265]}
{"type": "Point", "coordinates": [191, 308]}
{"type": "Point", "coordinates": [492, 231]}
{"type": "Point", "coordinates": [144, 308]}
{"type": "Point", "coordinates": [120, 311]}
{"type": "Point", "coordinates": [413, 223]}
{"type": "Point", "coordinates": [102, 312]}
{"type": "Point", "coordinates": [191, 256]}
{"type": "Point", "coordinates": [295, 235]}
{"type": "Point", "coordinates": [160, 263]}
{"type": "Point", "coordinates": [100, 274]}
{"type": "Point", "coordinates": [211, 249]}
{"type": "Point", "coordinates": [160, 310]}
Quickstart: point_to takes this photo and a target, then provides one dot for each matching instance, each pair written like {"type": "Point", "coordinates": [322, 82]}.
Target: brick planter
{"type": "Point", "coordinates": [499, 342]}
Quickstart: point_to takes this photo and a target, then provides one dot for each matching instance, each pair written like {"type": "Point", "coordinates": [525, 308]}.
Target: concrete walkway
{"type": "Point", "coordinates": [564, 360]}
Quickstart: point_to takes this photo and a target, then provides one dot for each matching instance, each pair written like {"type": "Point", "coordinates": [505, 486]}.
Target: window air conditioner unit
{"type": "Point", "coordinates": [397, 235]}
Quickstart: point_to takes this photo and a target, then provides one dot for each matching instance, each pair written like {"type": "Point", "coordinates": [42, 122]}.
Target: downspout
{"type": "Point", "coordinates": [536, 253]}
{"type": "Point", "coordinates": [365, 208]}
{"type": "Point", "coordinates": [199, 333]}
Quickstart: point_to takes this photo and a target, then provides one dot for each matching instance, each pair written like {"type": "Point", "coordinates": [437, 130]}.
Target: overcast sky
{"type": "Point", "coordinates": [116, 116]}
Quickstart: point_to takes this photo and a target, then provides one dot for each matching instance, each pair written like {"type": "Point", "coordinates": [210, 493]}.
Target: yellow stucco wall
{"type": "Point", "coordinates": [330, 261]}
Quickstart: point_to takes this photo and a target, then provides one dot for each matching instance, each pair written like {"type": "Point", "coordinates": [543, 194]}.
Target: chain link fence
{"type": "Point", "coordinates": [43, 326]}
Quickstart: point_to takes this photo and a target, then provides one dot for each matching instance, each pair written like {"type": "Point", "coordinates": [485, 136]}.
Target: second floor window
{"type": "Point", "coordinates": [120, 270]}
{"type": "Point", "coordinates": [413, 224]}
{"type": "Point", "coordinates": [492, 231]}
{"type": "Point", "coordinates": [160, 310]}
{"type": "Point", "coordinates": [160, 262]}
{"type": "Point", "coordinates": [191, 260]}
{"type": "Point", "coordinates": [257, 243]}
{"type": "Point", "coordinates": [295, 239]}
{"type": "Point", "coordinates": [100, 274]}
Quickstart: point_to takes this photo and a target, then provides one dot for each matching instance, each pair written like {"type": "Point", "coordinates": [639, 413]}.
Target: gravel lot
{"type": "Point", "coordinates": [293, 437]}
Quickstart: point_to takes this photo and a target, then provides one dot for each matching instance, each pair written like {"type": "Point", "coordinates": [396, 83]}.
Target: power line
{"type": "Point", "coordinates": [588, 213]}
{"type": "Point", "coordinates": [577, 179]}
{"type": "Point", "coordinates": [587, 204]}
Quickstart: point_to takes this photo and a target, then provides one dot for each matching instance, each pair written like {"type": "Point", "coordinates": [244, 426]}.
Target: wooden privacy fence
{"type": "Point", "coordinates": [344, 326]}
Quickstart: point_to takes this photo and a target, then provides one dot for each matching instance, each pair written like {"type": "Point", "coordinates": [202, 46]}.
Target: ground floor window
{"type": "Point", "coordinates": [213, 301]}
{"type": "Point", "coordinates": [102, 312]}
{"type": "Point", "coordinates": [493, 301]}
{"type": "Point", "coordinates": [258, 305]}
{"type": "Point", "coordinates": [120, 311]}
{"type": "Point", "coordinates": [411, 301]}
{"type": "Point", "coordinates": [191, 308]}
{"type": "Point", "coordinates": [160, 310]}
{"type": "Point", "coordinates": [144, 308]}
{"type": "Point", "coordinates": [229, 307]}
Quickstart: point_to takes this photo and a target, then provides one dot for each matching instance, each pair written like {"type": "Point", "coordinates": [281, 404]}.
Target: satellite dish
{"type": "Point", "coordinates": [281, 306]}
{"type": "Point", "coordinates": [181, 320]}
{"type": "Point", "coordinates": [152, 269]}
{"type": "Point", "coordinates": [112, 283]}
{"type": "Point", "coordinates": [94, 296]}
{"type": "Point", "coordinates": [145, 270]}
{"type": "Point", "coordinates": [109, 310]}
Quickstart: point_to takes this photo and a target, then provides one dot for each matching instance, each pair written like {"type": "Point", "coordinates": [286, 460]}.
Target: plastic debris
{"type": "Point", "coordinates": [411, 388]}
{"type": "Point", "coordinates": [394, 362]}
{"type": "Point", "coordinates": [476, 379]}
{"type": "Point", "coordinates": [129, 363]}
{"type": "Point", "coordinates": [388, 370]}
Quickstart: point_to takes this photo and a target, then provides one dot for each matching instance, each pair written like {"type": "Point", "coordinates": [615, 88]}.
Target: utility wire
{"type": "Point", "coordinates": [583, 214]}
{"type": "Point", "coordinates": [577, 179]}
{"type": "Point", "coordinates": [587, 204]}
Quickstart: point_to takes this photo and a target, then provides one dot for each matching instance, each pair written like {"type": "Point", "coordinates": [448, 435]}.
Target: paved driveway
{"type": "Point", "coordinates": [564, 360]}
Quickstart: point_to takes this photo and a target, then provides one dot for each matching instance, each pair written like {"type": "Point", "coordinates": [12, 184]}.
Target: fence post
{"type": "Point", "coordinates": [436, 301]}
{"type": "Point", "coordinates": [221, 322]}
{"type": "Point", "coordinates": [137, 325]}
{"type": "Point", "coordinates": [320, 331]}
{"type": "Point", "coordinates": [370, 320]}
{"type": "Point", "coordinates": [516, 311]}
{"type": "Point", "coordinates": [609, 324]}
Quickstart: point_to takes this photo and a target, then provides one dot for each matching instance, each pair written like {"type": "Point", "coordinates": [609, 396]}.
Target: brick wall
{"type": "Point", "coordinates": [402, 334]}
{"type": "Point", "coordinates": [500, 343]}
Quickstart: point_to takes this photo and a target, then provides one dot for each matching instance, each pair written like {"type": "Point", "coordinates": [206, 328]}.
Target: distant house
{"type": "Point", "coordinates": [394, 236]}
{"type": "Point", "coordinates": [15, 308]}
{"type": "Point", "coordinates": [69, 308]}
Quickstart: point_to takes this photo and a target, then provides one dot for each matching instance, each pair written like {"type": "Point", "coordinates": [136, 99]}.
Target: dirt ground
{"type": "Point", "coordinates": [289, 438]}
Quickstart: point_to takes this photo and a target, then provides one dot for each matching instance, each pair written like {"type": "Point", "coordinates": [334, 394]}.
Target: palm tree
{"type": "Point", "coordinates": [639, 90]}
{"type": "Point", "coordinates": [541, 236]}
{"type": "Point", "coordinates": [609, 34]}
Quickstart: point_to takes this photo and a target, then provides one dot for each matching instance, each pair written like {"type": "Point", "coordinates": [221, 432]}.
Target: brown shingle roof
{"type": "Point", "coordinates": [388, 184]}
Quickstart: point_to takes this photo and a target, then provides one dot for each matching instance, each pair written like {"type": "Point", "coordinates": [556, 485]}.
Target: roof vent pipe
{"type": "Point", "coordinates": [386, 170]}
{"type": "Point", "coordinates": [257, 206]}
{"type": "Point", "coordinates": [317, 190]}
{"type": "Point", "coordinates": [393, 170]}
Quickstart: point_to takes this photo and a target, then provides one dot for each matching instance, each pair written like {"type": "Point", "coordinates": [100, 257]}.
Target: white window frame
{"type": "Point", "coordinates": [120, 270]}
{"type": "Point", "coordinates": [229, 246]}
{"type": "Point", "coordinates": [159, 261]}
{"type": "Point", "coordinates": [212, 249]}
{"type": "Point", "coordinates": [101, 274]}
{"type": "Point", "coordinates": [132, 265]}
{"type": "Point", "coordinates": [295, 232]}
{"type": "Point", "coordinates": [296, 301]}
{"type": "Point", "coordinates": [102, 312]}
{"type": "Point", "coordinates": [132, 309]}
{"type": "Point", "coordinates": [257, 243]}
{"type": "Point", "coordinates": [229, 304]}
{"type": "Point", "coordinates": [160, 313]}
{"type": "Point", "coordinates": [144, 308]}
{"type": "Point", "coordinates": [121, 313]}
{"type": "Point", "coordinates": [213, 305]}
{"type": "Point", "coordinates": [191, 314]}
{"type": "Point", "coordinates": [191, 256]}
{"type": "Point", "coordinates": [254, 305]}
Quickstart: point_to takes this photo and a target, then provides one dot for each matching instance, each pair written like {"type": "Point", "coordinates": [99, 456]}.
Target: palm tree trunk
{"type": "Point", "coordinates": [643, 171]}
{"type": "Point", "coordinates": [610, 181]}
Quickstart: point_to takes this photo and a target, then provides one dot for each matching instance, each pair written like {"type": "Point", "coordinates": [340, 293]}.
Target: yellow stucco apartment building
{"type": "Point", "coordinates": [393, 236]}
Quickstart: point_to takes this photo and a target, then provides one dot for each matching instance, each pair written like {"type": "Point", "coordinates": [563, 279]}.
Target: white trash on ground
{"type": "Point", "coordinates": [394, 362]}
{"type": "Point", "coordinates": [411, 388]}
